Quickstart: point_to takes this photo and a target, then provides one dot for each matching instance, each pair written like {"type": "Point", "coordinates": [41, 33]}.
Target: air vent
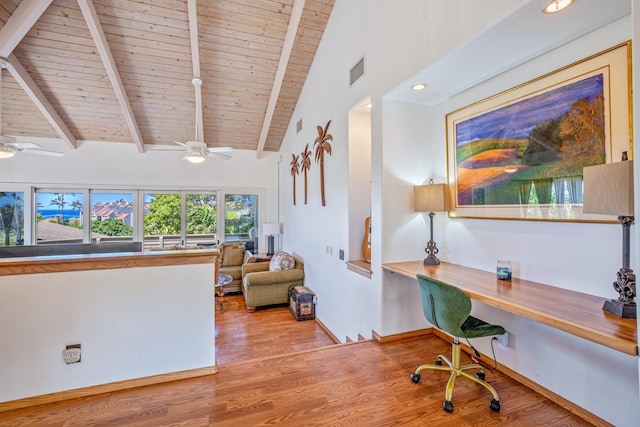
{"type": "Point", "coordinates": [299, 126]}
{"type": "Point", "coordinates": [356, 72]}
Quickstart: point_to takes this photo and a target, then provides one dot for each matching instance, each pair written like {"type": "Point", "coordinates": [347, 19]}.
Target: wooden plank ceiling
{"type": "Point", "coordinates": [240, 46]}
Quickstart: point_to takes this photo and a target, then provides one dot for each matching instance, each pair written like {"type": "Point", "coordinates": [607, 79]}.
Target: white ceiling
{"type": "Point", "coordinates": [520, 37]}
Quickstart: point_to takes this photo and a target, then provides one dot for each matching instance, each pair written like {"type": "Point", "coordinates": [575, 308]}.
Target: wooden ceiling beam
{"type": "Point", "coordinates": [99, 38]}
{"type": "Point", "coordinates": [40, 100]}
{"type": "Point", "coordinates": [19, 23]}
{"type": "Point", "coordinates": [292, 30]}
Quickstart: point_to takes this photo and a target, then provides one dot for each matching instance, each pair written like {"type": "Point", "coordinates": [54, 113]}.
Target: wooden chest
{"type": "Point", "coordinates": [302, 303]}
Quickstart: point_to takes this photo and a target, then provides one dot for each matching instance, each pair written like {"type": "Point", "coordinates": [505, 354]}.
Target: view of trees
{"type": "Point", "coordinates": [239, 213]}
{"type": "Point", "coordinates": [162, 215]}
{"type": "Point", "coordinates": [111, 227]}
{"type": "Point", "coordinates": [12, 215]}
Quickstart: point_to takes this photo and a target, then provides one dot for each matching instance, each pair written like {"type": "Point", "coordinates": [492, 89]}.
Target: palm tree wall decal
{"type": "Point", "coordinates": [305, 164]}
{"type": "Point", "coordinates": [295, 170]}
{"type": "Point", "coordinates": [322, 144]}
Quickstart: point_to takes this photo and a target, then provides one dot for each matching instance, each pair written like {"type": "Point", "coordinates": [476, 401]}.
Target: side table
{"type": "Point", "coordinates": [223, 280]}
{"type": "Point", "coordinates": [262, 257]}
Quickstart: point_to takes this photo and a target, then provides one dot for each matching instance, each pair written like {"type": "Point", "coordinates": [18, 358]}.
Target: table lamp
{"type": "Point", "coordinates": [431, 198]}
{"type": "Point", "coordinates": [271, 229]}
{"type": "Point", "coordinates": [608, 190]}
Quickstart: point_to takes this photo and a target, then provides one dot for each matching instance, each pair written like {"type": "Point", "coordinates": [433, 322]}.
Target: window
{"type": "Point", "coordinates": [162, 220]}
{"type": "Point", "coordinates": [112, 217]}
{"type": "Point", "coordinates": [12, 215]}
{"type": "Point", "coordinates": [59, 217]}
{"type": "Point", "coordinates": [155, 218]}
{"type": "Point", "coordinates": [202, 218]}
{"type": "Point", "coordinates": [241, 218]}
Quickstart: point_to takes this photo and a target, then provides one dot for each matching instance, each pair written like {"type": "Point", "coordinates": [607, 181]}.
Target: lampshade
{"type": "Point", "coordinates": [271, 228]}
{"type": "Point", "coordinates": [430, 198]}
{"type": "Point", "coordinates": [608, 189]}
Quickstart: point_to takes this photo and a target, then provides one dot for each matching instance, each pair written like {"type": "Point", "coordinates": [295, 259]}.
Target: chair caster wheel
{"type": "Point", "coordinates": [495, 405]}
{"type": "Point", "coordinates": [480, 376]}
{"type": "Point", "coordinates": [448, 406]}
{"type": "Point", "coordinates": [415, 378]}
{"type": "Point", "coordinates": [438, 362]}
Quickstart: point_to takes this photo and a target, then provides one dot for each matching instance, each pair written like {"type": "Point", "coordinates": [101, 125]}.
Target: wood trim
{"type": "Point", "coordinates": [34, 92]}
{"type": "Point", "coordinates": [102, 45]}
{"type": "Point", "coordinates": [19, 23]}
{"type": "Point", "coordinates": [573, 312]}
{"type": "Point", "coordinates": [289, 39]}
{"type": "Point", "coordinates": [106, 388]}
{"type": "Point", "coordinates": [66, 263]}
{"type": "Point", "coordinates": [403, 335]}
{"type": "Point", "coordinates": [363, 268]}
{"type": "Point", "coordinates": [327, 330]}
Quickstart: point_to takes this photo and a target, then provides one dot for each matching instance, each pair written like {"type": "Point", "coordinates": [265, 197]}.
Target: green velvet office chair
{"type": "Point", "coordinates": [447, 308]}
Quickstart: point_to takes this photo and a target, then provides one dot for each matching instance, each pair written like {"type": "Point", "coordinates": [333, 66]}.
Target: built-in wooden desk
{"type": "Point", "coordinates": [573, 312]}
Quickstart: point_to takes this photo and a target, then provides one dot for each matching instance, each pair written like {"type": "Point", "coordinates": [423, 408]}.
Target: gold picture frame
{"type": "Point", "coordinates": [519, 154]}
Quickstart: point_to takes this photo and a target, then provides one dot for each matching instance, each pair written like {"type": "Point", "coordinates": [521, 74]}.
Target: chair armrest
{"type": "Point", "coordinates": [271, 277]}
{"type": "Point", "coordinates": [248, 257]}
{"type": "Point", "coordinates": [254, 267]}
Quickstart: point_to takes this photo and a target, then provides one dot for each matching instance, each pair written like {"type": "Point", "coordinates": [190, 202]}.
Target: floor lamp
{"type": "Point", "coordinates": [608, 190]}
{"type": "Point", "coordinates": [431, 198]}
{"type": "Point", "coordinates": [271, 229]}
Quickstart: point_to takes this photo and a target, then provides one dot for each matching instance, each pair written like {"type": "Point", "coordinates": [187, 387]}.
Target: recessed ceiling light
{"type": "Point", "coordinates": [418, 86]}
{"type": "Point", "coordinates": [557, 5]}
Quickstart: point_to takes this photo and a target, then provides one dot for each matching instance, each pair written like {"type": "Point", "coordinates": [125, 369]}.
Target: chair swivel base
{"type": "Point", "coordinates": [454, 366]}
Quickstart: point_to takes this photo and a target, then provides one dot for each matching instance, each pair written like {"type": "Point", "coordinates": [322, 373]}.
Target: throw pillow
{"type": "Point", "coordinates": [282, 261]}
{"type": "Point", "coordinates": [232, 254]}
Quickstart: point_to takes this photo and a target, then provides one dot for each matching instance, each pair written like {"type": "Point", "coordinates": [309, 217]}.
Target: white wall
{"type": "Point", "coordinates": [408, 147]}
{"type": "Point", "coordinates": [349, 303]}
{"type": "Point", "coordinates": [131, 323]}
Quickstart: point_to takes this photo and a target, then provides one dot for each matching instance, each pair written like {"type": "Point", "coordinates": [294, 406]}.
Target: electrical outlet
{"type": "Point", "coordinates": [72, 353]}
{"type": "Point", "coordinates": [503, 339]}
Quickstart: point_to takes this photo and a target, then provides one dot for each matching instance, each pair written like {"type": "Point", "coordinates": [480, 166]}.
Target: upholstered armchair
{"type": "Point", "coordinates": [264, 287]}
{"type": "Point", "coordinates": [232, 257]}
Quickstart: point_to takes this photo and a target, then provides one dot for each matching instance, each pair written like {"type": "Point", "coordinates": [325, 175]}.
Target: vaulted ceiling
{"type": "Point", "coordinates": [121, 70]}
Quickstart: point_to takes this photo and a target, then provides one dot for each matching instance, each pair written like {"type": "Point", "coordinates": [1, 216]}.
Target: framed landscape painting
{"type": "Point", "coordinates": [520, 154]}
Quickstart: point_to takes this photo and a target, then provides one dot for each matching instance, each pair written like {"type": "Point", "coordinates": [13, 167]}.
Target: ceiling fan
{"type": "Point", "coordinates": [196, 150]}
{"type": "Point", "coordinates": [9, 147]}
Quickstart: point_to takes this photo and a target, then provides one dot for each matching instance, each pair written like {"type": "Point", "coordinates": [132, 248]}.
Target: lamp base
{"type": "Point", "coordinates": [620, 309]}
{"type": "Point", "coordinates": [431, 260]}
{"type": "Point", "coordinates": [270, 245]}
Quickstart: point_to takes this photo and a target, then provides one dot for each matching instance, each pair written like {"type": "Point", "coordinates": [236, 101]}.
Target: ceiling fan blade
{"type": "Point", "coordinates": [42, 152]}
{"type": "Point", "coordinates": [182, 144]}
{"type": "Point", "coordinates": [219, 155]}
{"type": "Point", "coordinates": [26, 145]}
{"type": "Point", "coordinates": [164, 148]}
{"type": "Point", "coordinates": [220, 149]}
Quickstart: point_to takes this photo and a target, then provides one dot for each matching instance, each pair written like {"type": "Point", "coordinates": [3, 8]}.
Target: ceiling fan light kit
{"type": "Point", "coordinates": [6, 152]}
{"type": "Point", "coordinates": [194, 157]}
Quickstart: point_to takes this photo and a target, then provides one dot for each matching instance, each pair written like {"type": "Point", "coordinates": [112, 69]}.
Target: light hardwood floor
{"type": "Point", "coordinates": [284, 381]}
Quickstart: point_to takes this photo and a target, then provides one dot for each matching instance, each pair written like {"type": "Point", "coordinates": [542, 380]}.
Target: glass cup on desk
{"type": "Point", "coordinates": [503, 269]}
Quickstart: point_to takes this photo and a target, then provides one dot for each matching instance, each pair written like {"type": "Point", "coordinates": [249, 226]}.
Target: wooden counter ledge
{"type": "Point", "coordinates": [570, 311]}
{"type": "Point", "coordinates": [62, 263]}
